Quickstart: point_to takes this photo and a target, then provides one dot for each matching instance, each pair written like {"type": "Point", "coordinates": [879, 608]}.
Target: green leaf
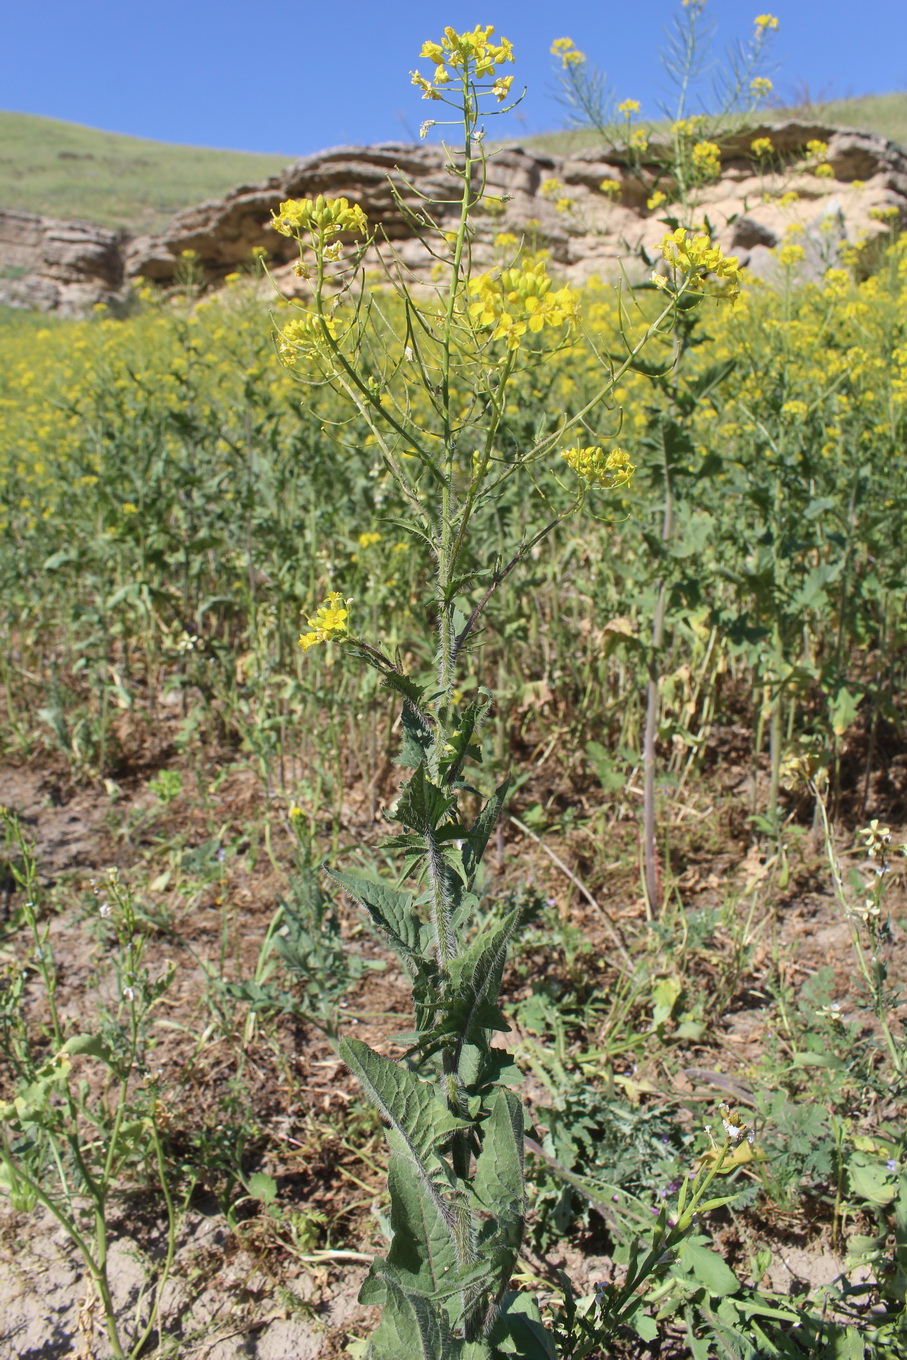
{"type": "Point", "coordinates": [392, 912]}
{"type": "Point", "coordinates": [423, 1251]}
{"type": "Point", "coordinates": [819, 1060]}
{"type": "Point", "coordinates": [844, 709]}
{"type": "Point", "coordinates": [410, 1107]}
{"type": "Point", "coordinates": [665, 995]}
{"type": "Point", "coordinates": [499, 1167]}
{"type": "Point", "coordinates": [709, 1269]}
{"type": "Point", "coordinates": [423, 805]}
{"type": "Point", "coordinates": [518, 1330]}
{"type": "Point", "coordinates": [468, 1006]}
{"type": "Point", "coordinates": [410, 1327]}
{"type": "Point", "coordinates": [91, 1045]}
{"type": "Point", "coordinates": [262, 1187]}
{"type": "Point", "coordinates": [645, 1327]}
{"type": "Point", "coordinates": [872, 1181]}
{"type": "Point", "coordinates": [479, 832]}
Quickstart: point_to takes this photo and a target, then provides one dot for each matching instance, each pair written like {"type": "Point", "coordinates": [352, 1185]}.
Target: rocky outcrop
{"type": "Point", "coordinates": [49, 265]}
{"type": "Point", "coordinates": [67, 266]}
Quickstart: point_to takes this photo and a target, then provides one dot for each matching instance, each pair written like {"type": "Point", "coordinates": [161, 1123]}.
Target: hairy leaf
{"type": "Point", "coordinates": [411, 1326]}
{"type": "Point", "coordinates": [392, 911]}
{"type": "Point", "coordinates": [481, 829]}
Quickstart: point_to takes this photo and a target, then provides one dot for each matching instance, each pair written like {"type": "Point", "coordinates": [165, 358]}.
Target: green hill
{"type": "Point", "coordinates": [66, 170]}
{"type": "Point", "coordinates": [883, 113]}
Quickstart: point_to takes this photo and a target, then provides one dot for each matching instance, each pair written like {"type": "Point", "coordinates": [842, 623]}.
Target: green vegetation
{"type": "Point", "coordinates": [882, 113]}
{"type": "Point", "coordinates": [65, 170]}
{"type": "Point", "coordinates": [522, 921]}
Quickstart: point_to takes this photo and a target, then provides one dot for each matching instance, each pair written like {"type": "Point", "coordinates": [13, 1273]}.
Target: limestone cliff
{"type": "Point", "coordinates": [67, 266]}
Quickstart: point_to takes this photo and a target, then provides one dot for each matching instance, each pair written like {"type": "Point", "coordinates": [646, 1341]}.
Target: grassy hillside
{"type": "Point", "coordinates": [883, 113]}
{"type": "Point", "coordinates": [66, 170]}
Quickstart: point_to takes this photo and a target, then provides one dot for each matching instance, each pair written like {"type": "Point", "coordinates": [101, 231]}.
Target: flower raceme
{"type": "Point", "coordinates": [304, 335]}
{"type": "Point", "coordinates": [330, 622]}
{"type": "Point", "coordinates": [597, 468]}
{"type": "Point", "coordinates": [518, 300]}
{"type": "Point", "coordinates": [568, 53]}
{"type": "Point", "coordinates": [706, 158]}
{"type": "Point", "coordinates": [471, 55]}
{"type": "Point", "coordinates": [323, 217]}
{"type": "Point", "coordinates": [697, 257]}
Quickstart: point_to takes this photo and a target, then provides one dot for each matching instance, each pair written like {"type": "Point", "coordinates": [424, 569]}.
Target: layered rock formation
{"type": "Point", "coordinates": [589, 231]}
{"type": "Point", "coordinates": [50, 265]}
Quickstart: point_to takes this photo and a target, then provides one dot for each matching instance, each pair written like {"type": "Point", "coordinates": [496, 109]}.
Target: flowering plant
{"type": "Point", "coordinates": [437, 399]}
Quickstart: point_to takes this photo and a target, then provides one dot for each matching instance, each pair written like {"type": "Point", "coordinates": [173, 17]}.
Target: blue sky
{"type": "Point", "coordinates": [297, 77]}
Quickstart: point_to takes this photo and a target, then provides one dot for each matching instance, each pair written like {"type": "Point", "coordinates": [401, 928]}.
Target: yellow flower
{"type": "Point", "coordinates": [322, 217]}
{"type": "Point", "coordinates": [817, 150]}
{"type": "Point", "coordinates": [428, 90]}
{"type": "Point", "coordinates": [655, 200]}
{"type": "Point", "coordinates": [550, 188]}
{"type": "Point", "coordinates": [501, 88]}
{"type": "Point", "coordinates": [765, 22]}
{"type": "Point", "coordinates": [471, 53]}
{"type": "Point", "coordinates": [688, 127]}
{"type": "Point", "coordinates": [761, 87]}
{"type": "Point", "coordinates": [629, 107]}
{"type": "Point", "coordinates": [518, 300]}
{"type": "Point", "coordinates": [697, 257]}
{"type": "Point", "coordinates": [707, 159]}
{"type": "Point", "coordinates": [610, 188]}
{"type": "Point", "coordinates": [129, 509]}
{"type": "Point", "coordinates": [790, 255]}
{"type": "Point", "coordinates": [597, 468]}
{"type": "Point", "coordinates": [762, 146]}
{"type": "Point", "coordinates": [789, 198]}
{"type": "Point", "coordinates": [366, 540]}
{"type": "Point", "coordinates": [330, 620]}
{"type": "Point", "coordinates": [304, 335]}
{"type": "Point", "coordinates": [568, 53]}
{"type": "Point", "coordinates": [639, 140]}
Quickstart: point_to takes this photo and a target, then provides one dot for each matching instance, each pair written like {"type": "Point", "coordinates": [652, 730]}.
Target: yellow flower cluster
{"type": "Point", "coordinates": [764, 22]}
{"type": "Point", "coordinates": [323, 217]}
{"type": "Point", "coordinates": [761, 86]}
{"type": "Point", "coordinates": [629, 107]}
{"type": "Point", "coordinates": [568, 52]}
{"type": "Point", "coordinates": [707, 160]}
{"type": "Point", "coordinates": [471, 54]}
{"type": "Point", "coordinates": [597, 468]}
{"type": "Point", "coordinates": [697, 257]}
{"type": "Point", "coordinates": [303, 335]}
{"type": "Point", "coordinates": [688, 127]}
{"type": "Point", "coordinates": [330, 621]}
{"type": "Point", "coordinates": [518, 300]}
{"type": "Point", "coordinates": [610, 188]}
{"type": "Point", "coordinates": [762, 147]}
{"type": "Point", "coordinates": [655, 200]}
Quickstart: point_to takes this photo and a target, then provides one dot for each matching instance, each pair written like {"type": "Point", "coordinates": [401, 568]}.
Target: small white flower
{"type": "Point", "coordinates": [104, 909]}
{"type": "Point", "coordinates": [129, 993]}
